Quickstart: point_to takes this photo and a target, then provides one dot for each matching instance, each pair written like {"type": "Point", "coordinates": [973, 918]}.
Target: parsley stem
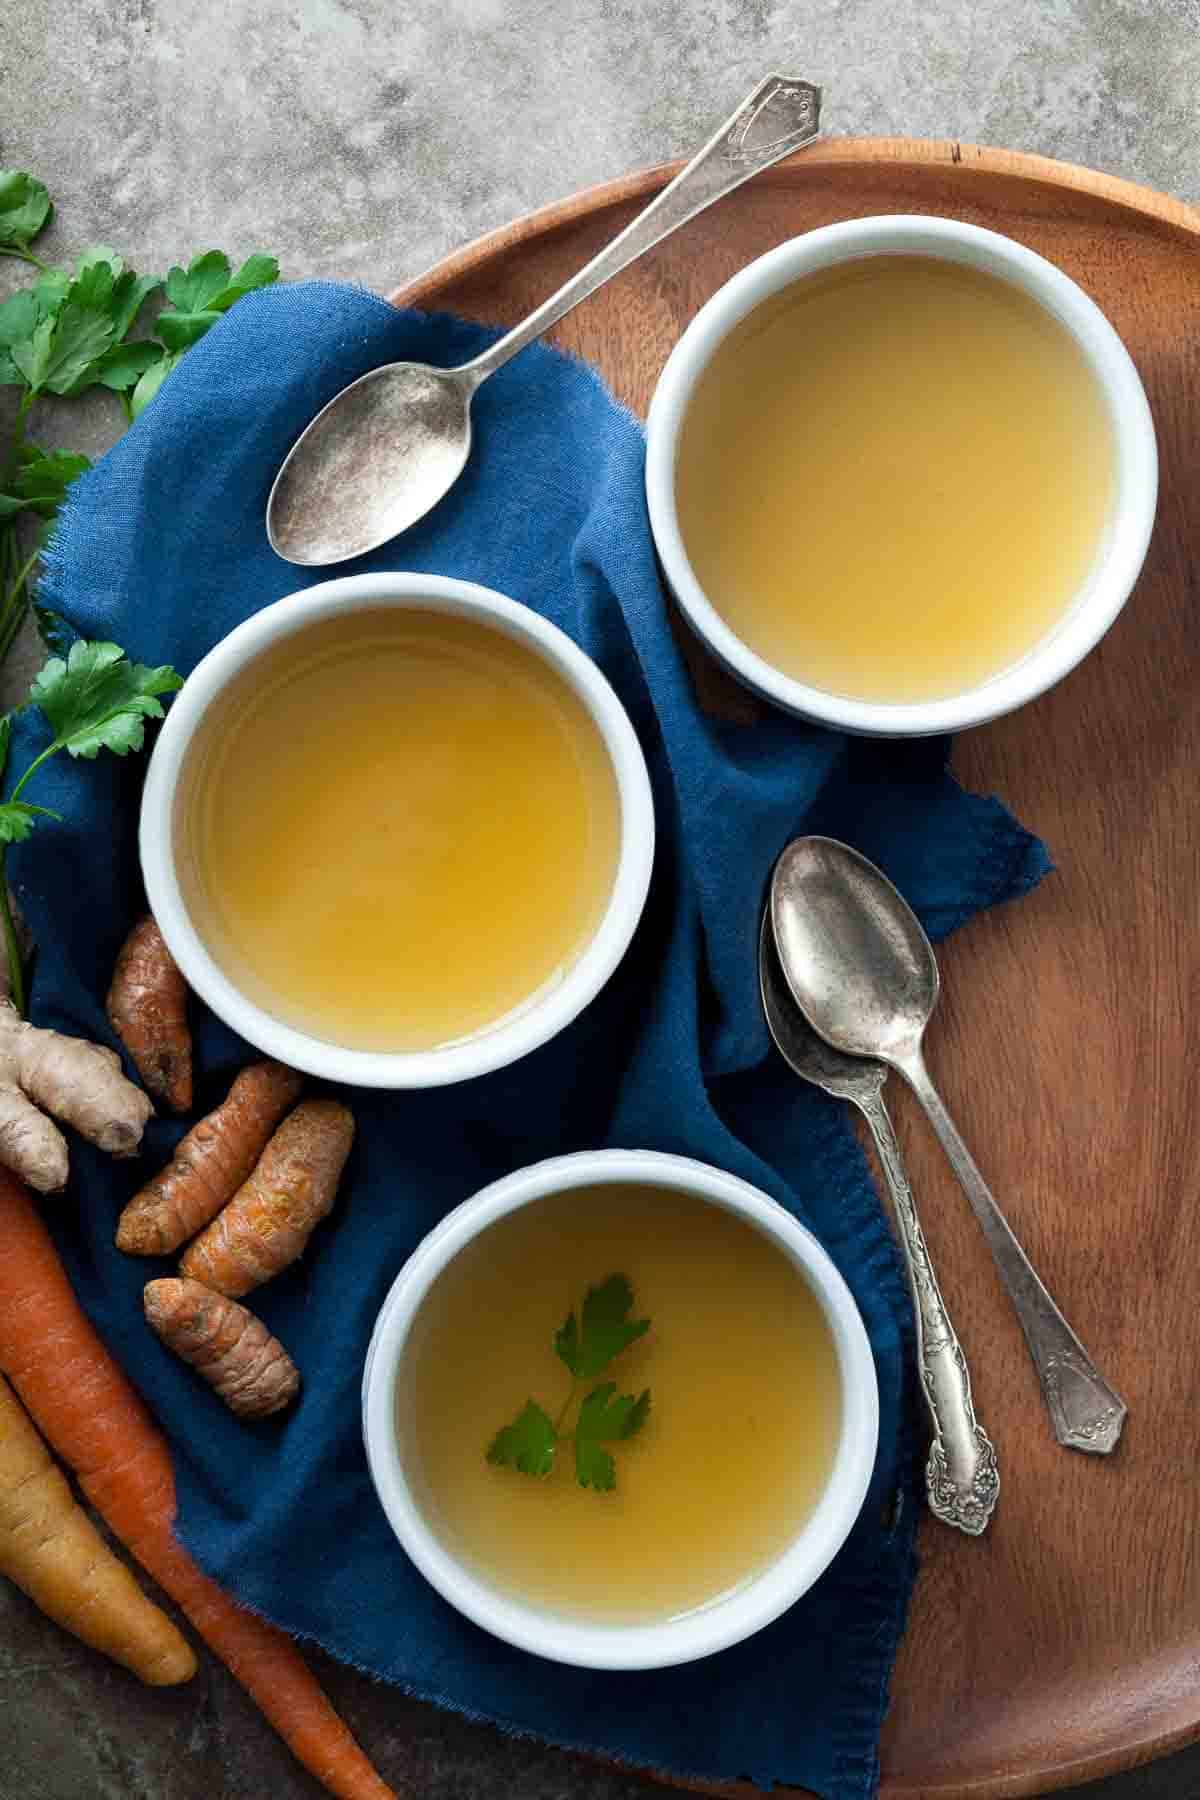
{"type": "Point", "coordinates": [18, 440]}
{"type": "Point", "coordinates": [565, 1409]}
{"type": "Point", "coordinates": [12, 949]}
{"type": "Point", "coordinates": [36, 764]}
{"type": "Point", "coordinates": [25, 256]}
{"type": "Point", "coordinates": [16, 973]}
{"type": "Point", "coordinates": [27, 567]}
{"type": "Point", "coordinates": [16, 603]}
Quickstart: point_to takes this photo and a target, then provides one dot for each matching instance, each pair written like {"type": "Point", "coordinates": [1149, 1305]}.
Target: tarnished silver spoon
{"type": "Point", "coordinates": [385, 450]}
{"type": "Point", "coordinates": [863, 973]}
{"type": "Point", "coordinates": [961, 1475]}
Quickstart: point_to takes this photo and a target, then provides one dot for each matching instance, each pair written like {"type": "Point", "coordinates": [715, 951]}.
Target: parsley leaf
{"type": "Point", "coordinates": [62, 344]}
{"type": "Point", "coordinates": [195, 288]}
{"type": "Point", "coordinates": [603, 1419]}
{"type": "Point", "coordinates": [527, 1444]}
{"type": "Point", "coordinates": [18, 818]}
{"type": "Point", "coordinates": [605, 1331]}
{"type": "Point", "coordinates": [39, 480]}
{"type": "Point", "coordinates": [66, 335]}
{"type": "Point", "coordinates": [586, 1344]}
{"type": "Point", "coordinates": [129, 295]}
{"type": "Point", "coordinates": [93, 699]}
{"type": "Point", "coordinates": [258, 271]}
{"type": "Point", "coordinates": [199, 294]}
{"type": "Point", "coordinates": [179, 330]}
{"type": "Point", "coordinates": [50, 289]}
{"type": "Point", "coordinates": [25, 209]}
{"type": "Point", "coordinates": [18, 316]}
{"type": "Point", "coordinates": [123, 365]}
{"type": "Point", "coordinates": [98, 700]}
{"type": "Point", "coordinates": [151, 380]}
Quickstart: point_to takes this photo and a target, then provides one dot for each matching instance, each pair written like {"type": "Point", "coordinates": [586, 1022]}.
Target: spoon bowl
{"type": "Point", "coordinates": [372, 462]}
{"type": "Point", "coordinates": [858, 964]}
{"type": "Point", "coordinates": [854, 1078]}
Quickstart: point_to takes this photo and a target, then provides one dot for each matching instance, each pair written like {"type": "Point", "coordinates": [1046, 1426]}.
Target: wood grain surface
{"type": "Point", "coordinates": [1066, 1643]}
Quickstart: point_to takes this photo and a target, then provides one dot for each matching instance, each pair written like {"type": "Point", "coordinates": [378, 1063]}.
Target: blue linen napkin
{"type": "Point", "coordinates": [162, 549]}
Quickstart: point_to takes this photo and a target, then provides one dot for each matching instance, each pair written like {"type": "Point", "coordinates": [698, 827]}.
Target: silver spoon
{"type": "Point", "coordinates": [961, 1475]}
{"type": "Point", "coordinates": [386, 449]}
{"type": "Point", "coordinates": [863, 973]}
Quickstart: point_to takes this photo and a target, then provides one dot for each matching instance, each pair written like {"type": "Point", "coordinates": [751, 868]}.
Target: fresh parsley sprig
{"type": "Point", "coordinates": [586, 1344]}
{"type": "Point", "coordinates": [69, 331]}
{"type": "Point", "coordinates": [95, 699]}
{"type": "Point", "coordinates": [25, 211]}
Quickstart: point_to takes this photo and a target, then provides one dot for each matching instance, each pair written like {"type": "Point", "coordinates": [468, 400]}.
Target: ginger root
{"type": "Point", "coordinates": [80, 1083]}
{"type": "Point", "coordinates": [268, 1222]}
{"type": "Point", "coordinates": [210, 1164]}
{"type": "Point", "coordinates": [147, 1005]}
{"type": "Point", "coordinates": [249, 1369]}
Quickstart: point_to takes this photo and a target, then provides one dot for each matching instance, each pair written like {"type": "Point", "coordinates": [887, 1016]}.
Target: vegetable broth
{"type": "Point", "coordinates": [402, 826]}
{"type": "Point", "coordinates": [744, 1418]}
{"type": "Point", "coordinates": [893, 478]}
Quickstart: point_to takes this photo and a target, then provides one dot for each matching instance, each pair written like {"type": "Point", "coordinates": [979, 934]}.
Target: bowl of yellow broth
{"type": "Point", "coordinates": [397, 830]}
{"type": "Point", "coordinates": [901, 474]}
{"type": "Point", "coordinates": [620, 1409]}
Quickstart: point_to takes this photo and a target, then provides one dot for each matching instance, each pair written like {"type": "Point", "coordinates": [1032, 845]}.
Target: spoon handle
{"type": "Point", "coordinates": [1086, 1413]}
{"type": "Point", "coordinates": [961, 1474]}
{"type": "Point", "coordinates": [780, 116]}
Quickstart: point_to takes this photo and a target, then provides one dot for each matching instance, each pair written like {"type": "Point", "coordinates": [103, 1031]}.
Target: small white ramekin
{"type": "Point", "coordinates": [547, 1012]}
{"type": "Point", "coordinates": [709, 1628]}
{"type": "Point", "coordinates": [1119, 556]}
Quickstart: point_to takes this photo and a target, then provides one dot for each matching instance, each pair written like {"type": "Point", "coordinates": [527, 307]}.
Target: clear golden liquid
{"type": "Point", "coordinates": [893, 478]}
{"type": "Point", "coordinates": [400, 827]}
{"type": "Point", "coordinates": [745, 1404]}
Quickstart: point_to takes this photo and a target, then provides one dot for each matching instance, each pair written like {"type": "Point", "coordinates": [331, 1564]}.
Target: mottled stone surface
{"type": "Point", "coordinates": [365, 139]}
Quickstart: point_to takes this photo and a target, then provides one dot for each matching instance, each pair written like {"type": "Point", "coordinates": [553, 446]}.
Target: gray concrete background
{"type": "Point", "coordinates": [364, 139]}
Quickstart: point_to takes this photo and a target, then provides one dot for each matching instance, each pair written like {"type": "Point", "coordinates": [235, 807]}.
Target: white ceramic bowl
{"type": "Point", "coordinates": [708, 1628]}
{"type": "Point", "coordinates": [1119, 556]}
{"type": "Point", "coordinates": [548, 1011]}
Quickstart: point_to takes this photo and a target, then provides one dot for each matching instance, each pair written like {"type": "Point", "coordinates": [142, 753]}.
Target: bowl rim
{"type": "Point", "coordinates": [1119, 556]}
{"type": "Point", "coordinates": [547, 1012]}
{"type": "Point", "coordinates": [724, 1621]}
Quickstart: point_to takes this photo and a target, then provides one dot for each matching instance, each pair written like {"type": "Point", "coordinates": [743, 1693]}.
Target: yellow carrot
{"type": "Point", "coordinates": [51, 1549]}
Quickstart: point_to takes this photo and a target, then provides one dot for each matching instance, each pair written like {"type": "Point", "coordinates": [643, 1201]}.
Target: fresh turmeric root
{"type": "Point", "coordinates": [268, 1222]}
{"type": "Point", "coordinates": [45, 1072]}
{"type": "Point", "coordinates": [249, 1369]}
{"type": "Point", "coordinates": [210, 1164]}
{"type": "Point", "coordinates": [51, 1549]}
{"type": "Point", "coordinates": [147, 1005]}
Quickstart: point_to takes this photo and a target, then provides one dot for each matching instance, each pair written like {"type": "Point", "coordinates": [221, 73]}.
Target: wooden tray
{"type": "Point", "coordinates": [1066, 1643]}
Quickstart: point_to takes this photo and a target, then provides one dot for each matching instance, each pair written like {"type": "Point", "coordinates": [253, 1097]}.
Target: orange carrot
{"type": "Point", "coordinates": [90, 1415]}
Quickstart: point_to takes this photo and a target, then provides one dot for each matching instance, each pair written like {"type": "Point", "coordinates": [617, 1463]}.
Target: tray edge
{"type": "Point", "coordinates": [832, 153]}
